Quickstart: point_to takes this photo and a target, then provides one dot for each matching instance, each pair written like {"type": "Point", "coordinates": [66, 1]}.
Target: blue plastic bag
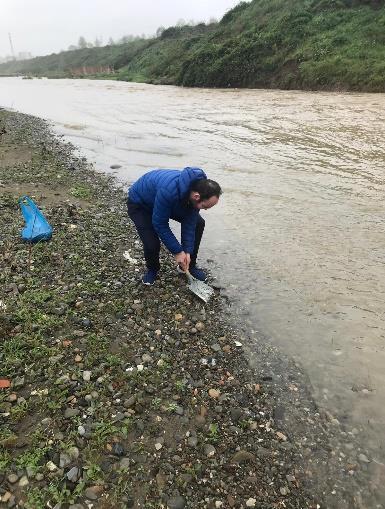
{"type": "Point", "coordinates": [36, 228]}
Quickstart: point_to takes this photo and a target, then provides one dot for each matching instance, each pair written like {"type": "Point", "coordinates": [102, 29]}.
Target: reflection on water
{"type": "Point", "coordinates": [301, 244]}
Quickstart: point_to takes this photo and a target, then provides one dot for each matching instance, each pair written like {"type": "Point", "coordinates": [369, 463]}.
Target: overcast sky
{"type": "Point", "coordinates": [45, 26]}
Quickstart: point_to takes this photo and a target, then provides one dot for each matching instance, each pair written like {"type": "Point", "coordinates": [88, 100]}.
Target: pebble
{"type": "Point", "coordinates": [176, 503]}
{"type": "Point", "coordinates": [87, 376]}
{"type": "Point", "coordinates": [93, 492]}
{"type": "Point", "coordinates": [192, 441]}
{"type": "Point", "coordinates": [73, 474]}
{"type": "Point", "coordinates": [251, 502]}
{"type": "Point", "coordinates": [214, 393]}
{"type": "Point", "coordinates": [51, 466]}
{"type": "Point", "coordinates": [242, 457]}
{"type": "Point", "coordinates": [64, 460]}
{"type": "Point", "coordinates": [81, 430]}
{"type": "Point", "coordinates": [200, 326]}
{"type": "Point", "coordinates": [23, 481]}
{"type": "Point", "coordinates": [209, 450]}
{"type": "Point", "coordinates": [363, 458]}
{"type": "Point", "coordinates": [12, 478]}
{"type": "Point", "coordinates": [71, 412]}
{"type": "Point", "coordinates": [39, 477]}
{"type": "Point", "coordinates": [117, 449]}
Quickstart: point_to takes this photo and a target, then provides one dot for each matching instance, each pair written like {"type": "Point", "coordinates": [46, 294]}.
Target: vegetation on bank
{"type": "Point", "coordinates": [304, 44]}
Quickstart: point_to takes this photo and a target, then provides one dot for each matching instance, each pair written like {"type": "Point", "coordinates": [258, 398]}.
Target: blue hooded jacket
{"type": "Point", "coordinates": [166, 193]}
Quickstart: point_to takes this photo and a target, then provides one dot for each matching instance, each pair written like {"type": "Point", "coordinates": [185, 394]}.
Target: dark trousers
{"type": "Point", "coordinates": [142, 219]}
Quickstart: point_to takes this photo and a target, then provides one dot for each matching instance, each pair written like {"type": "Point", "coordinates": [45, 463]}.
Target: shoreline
{"type": "Point", "coordinates": [127, 396]}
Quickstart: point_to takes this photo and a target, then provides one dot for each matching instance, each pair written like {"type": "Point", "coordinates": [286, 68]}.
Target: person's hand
{"type": "Point", "coordinates": [183, 260]}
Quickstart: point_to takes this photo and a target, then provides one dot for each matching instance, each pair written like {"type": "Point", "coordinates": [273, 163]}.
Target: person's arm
{"type": "Point", "coordinates": [188, 227]}
{"type": "Point", "coordinates": [160, 221]}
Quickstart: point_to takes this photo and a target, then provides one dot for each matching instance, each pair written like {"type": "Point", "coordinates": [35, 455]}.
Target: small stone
{"type": "Point", "coordinates": [242, 457]}
{"type": "Point", "coordinates": [12, 397]}
{"type": "Point", "coordinates": [78, 358]}
{"type": "Point", "coordinates": [284, 491]}
{"type": "Point", "coordinates": [192, 441]}
{"type": "Point", "coordinates": [12, 478]}
{"type": "Point", "coordinates": [214, 393]}
{"type": "Point", "coordinates": [87, 376]}
{"type": "Point", "coordinates": [218, 504]}
{"type": "Point", "coordinates": [23, 481]}
{"type": "Point", "coordinates": [117, 449]}
{"type": "Point", "coordinates": [178, 317]}
{"type": "Point", "coordinates": [93, 493]}
{"type": "Point", "coordinates": [200, 326]}
{"type": "Point", "coordinates": [363, 458]}
{"type": "Point", "coordinates": [281, 436]}
{"type": "Point", "coordinates": [179, 410]}
{"type": "Point", "coordinates": [51, 466]}
{"type": "Point", "coordinates": [71, 412]}
{"type": "Point", "coordinates": [176, 503]}
{"type": "Point", "coordinates": [146, 358]}
{"type": "Point", "coordinates": [64, 460]}
{"type": "Point", "coordinates": [209, 450]}
{"type": "Point", "coordinates": [73, 474]}
{"type": "Point", "coordinates": [39, 477]}
{"type": "Point", "coordinates": [73, 453]}
{"type": "Point", "coordinates": [81, 430]}
{"type": "Point", "coordinates": [251, 502]}
{"type": "Point", "coordinates": [6, 497]}
{"type": "Point", "coordinates": [158, 446]}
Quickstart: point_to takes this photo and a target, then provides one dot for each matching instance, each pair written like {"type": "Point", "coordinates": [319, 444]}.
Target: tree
{"type": "Point", "coordinates": [160, 31]}
{"type": "Point", "coordinates": [82, 43]}
{"type": "Point", "coordinates": [98, 42]}
{"type": "Point", "coordinates": [72, 47]}
{"type": "Point", "coordinates": [111, 41]}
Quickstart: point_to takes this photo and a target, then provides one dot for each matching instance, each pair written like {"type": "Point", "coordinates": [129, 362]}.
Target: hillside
{"type": "Point", "coordinates": [301, 44]}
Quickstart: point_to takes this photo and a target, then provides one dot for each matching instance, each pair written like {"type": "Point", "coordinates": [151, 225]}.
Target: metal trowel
{"type": "Point", "coordinates": [201, 290]}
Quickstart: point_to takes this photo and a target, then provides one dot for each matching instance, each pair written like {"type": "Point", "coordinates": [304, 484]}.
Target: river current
{"type": "Point", "coordinates": [298, 240]}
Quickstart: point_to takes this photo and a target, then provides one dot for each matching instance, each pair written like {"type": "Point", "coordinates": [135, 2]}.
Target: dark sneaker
{"type": "Point", "coordinates": [198, 273]}
{"type": "Point", "coordinates": [149, 277]}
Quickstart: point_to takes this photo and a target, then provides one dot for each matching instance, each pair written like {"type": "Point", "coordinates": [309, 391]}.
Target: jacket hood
{"type": "Point", "coordinates": [187, 176]}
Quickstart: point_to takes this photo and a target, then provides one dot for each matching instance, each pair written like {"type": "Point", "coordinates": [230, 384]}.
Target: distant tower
{"type": "Point", "coordinates": [12, 50]}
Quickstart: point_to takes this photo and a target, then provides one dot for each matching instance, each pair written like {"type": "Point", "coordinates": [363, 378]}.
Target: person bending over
{"type": "Point", "coordinates": [161, 195]}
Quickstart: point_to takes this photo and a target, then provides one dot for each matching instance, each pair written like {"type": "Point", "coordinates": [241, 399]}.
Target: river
{"type": "Point", "coordinates": [298, 240]}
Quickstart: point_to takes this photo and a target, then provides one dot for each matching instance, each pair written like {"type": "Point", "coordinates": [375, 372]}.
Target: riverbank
{"type": "Point", "coordinates": [128, 396]}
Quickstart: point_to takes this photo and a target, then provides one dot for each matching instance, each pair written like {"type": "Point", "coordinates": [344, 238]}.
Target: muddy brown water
{"type": "Point", "coordinates": [298, 240]}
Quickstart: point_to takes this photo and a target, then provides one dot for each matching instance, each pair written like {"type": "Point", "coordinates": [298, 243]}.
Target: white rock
{"type": "Point", "coordinates": [51, 466]}
{"type": "Point", "coordinates": [87, 376]}
{"type": "Point", "coordinates": [251, 502]}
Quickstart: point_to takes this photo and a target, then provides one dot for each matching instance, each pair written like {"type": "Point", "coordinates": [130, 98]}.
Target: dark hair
{"type": "Point", "coordinates": [206, 188]}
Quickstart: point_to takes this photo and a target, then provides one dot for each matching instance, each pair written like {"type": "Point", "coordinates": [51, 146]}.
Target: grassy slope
{"type": "Point", "coordinates": [318, 44]}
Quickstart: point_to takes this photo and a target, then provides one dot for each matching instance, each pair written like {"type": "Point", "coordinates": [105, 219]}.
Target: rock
{"type": "Point", "coordinates": [200, 326]}
{"type": "Point", "coordinates": [64, 460]}
{"type": "Point", "coordinates": [251, 502]}
{"type": "Point", "coordinates": [209, 450]}
{"type": "Point", "coordinates": [115, 166]}
{"type": "Point", "coordinates": [242, 457]}
{"type": "Point", "coordinates": [284, 491]}
{"type": "Point", "coordinates": [117, 449]}
{"type": "Point", "coordinates": [281, 436]}
{"type": "Point", "coordinates": [87, 376]}
{"type": "Point", "coordinates": [216, 347]}
{"type": "Point", "coordinates": [93, 492]}
{"type": "Point", "coordinates": [71, 412]}
{"type": "Point", "coordinates": [51, 466]}
{"type": "Point", "coordinates": [76, 506]}
{"type": "Point", "coordinates": [176, 503]}
{"type": "Point", "coordinates": [214, 393]}
{"type": "Point", "coordinates": [146, 358]}
{"type": "Point", "coordinates": [236, 414]}
{"type": "Point", "coordinates": [12, 478]}
{"type": "Point", "coordinates": [192, 441]}
{"type": "Point", "coordinates": [179, 410]}
{"type": "Point", "coordinates": [81, 430]}
{"type": "Point", "coordinates": [363, 458]}
{"type": "Point", "coordinates": [23, 481]}
{"type": "Point", "coordinates": [73, 453]}
{"type": "Point", "coordinates": [73, 474]}
{"type": "Point", "coordinates": [39, 477]}
{"type": "Point", "coordinates": [125, 463]}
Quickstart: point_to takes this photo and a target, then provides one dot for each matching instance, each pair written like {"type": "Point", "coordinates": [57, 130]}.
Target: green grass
{"type": "Point", "coordinates": [310, 44]}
